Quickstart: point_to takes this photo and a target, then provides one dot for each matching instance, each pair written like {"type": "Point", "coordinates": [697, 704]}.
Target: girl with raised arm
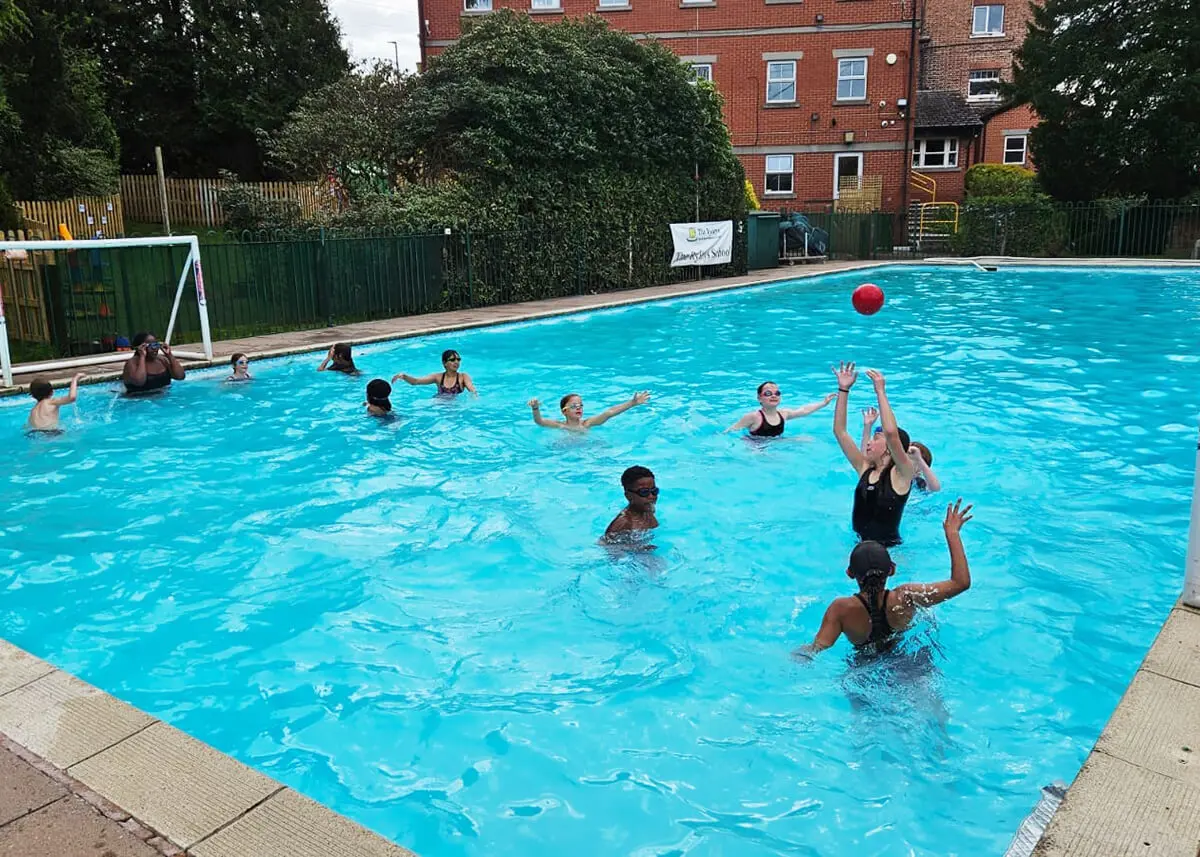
{"type": "Point", "coordinates": [769, 419]}
{"type": "Point", "coordinates": [874, 618]}
{"type": "Point", "coordinates": [885, 470]}
{"type": "Point", "coordinates": [571, 406]}
{"type": "Point", "coordinates": [450, 382]}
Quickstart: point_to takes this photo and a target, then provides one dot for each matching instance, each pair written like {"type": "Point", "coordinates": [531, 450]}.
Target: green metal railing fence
{"type": "Point", "coordinates": [273, 282]}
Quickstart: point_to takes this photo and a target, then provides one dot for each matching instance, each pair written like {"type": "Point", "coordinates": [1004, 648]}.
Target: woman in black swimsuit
{"type": "Point", "coordinates": [450, 382]}
{"type": "Point", "coordinates": [874, 618]}
{"type": "Point", "coordinates": [152, 366]}
{"type": "Point", "coordinates": [768, 420]}
{"type": "Point", "coordinates": [885, 470]}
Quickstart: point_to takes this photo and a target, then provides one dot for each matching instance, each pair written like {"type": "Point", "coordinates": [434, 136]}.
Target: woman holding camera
{"type": "Point", "coordinates": [152, 366]}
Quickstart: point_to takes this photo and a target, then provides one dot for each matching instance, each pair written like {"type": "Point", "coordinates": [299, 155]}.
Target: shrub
{"type": "Point", "coordinates": [247, 209]}
{"type": "Point", "coordinates": [1000, 180]}
{"type": "Point", "coordinates": [1009, 226]}
{"type": "Point", "coordinates": [751, 197]}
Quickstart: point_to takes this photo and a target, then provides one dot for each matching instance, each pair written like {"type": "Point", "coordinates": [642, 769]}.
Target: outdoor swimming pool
{"type": "Point", "coordinates": [412, 623]}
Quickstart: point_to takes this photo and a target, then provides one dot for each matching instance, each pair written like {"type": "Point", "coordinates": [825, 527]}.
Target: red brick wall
{"type": "Point", "coordinates": [661, 16]}
{"type": "Point", "coordinates": [1017, 118]}
{"type": "Point", "coordinates": [949, 51]}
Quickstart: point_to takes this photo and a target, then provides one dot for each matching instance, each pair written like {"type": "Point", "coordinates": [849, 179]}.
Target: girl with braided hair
{"type": "Point", "coordinates": [875, 617]}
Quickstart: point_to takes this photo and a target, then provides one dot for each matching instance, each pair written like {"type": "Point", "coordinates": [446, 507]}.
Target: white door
{"type": "Point", "coordinates": [845, 165]}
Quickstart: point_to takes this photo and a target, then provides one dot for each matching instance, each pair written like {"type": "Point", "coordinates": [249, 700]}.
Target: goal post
{"type": "Point", "coordinates": [16, 250]}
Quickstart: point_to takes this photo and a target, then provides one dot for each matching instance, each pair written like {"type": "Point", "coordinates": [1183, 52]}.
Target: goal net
{"type": "Point", "coordinates": [83, 300]}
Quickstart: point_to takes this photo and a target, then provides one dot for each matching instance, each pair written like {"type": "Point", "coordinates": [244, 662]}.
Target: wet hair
{"type": "Point", "coordinates": [378, 393]}
{"type": "Point", "coordinates": [871, 565]}
{"type": "Point", "coordinates": [562, 403]}
{"type": "Point", "coordinates": [905, 440]}
{"type": "Point", "coordinates": [234, 358]}
{"type": "Point", "coordinates": [925, 453]}
{"type": "Point", "coordinates": [763, 386]}
{"type": "Point", "coordinates": [448, 353]}
{"type": "Point", "coordinates": [631, 475]}
{"type": "Point", "coordinates": [139, 338]}
{"type": "Point", "coordinates": [342, 353]}
{"type": "Point", "coordinates": [40, 389]}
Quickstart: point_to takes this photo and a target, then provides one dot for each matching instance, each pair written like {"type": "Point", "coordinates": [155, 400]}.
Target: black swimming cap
{"type": "Point", "coordinates": [867, 557]}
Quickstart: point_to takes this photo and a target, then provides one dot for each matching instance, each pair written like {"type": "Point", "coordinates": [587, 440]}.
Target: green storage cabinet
{"type": "Point", "coordinates": [762, 240]}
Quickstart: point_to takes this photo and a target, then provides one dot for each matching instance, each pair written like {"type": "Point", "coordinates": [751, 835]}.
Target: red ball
{"type": "Point", "coordinates": [868, 299]}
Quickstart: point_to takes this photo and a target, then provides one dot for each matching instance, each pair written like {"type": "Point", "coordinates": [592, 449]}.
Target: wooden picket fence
{"type": "Point", "coordinates": [196, 202]}
{"type": "Point", "coordinates": [21, 286]}
{"type": "Point", "coordinates": [85, 217]}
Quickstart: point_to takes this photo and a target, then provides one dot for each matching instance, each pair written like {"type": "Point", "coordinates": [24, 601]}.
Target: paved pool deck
{"type": "Point", "coordinates": [82, 773]}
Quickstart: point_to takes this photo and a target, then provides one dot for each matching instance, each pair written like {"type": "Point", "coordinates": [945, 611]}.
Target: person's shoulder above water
{"type": "Point", "coordinates": [638, 516]}
{"type": "Point", "coordinates": [858, 616]}
{"type": "Point", "coordinates": [43, 418]}
{"type": "Point", "coordinates": [339, 359]}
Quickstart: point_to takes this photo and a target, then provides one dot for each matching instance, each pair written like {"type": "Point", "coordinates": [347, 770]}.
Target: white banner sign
{"type": "Point", "coordinates": [702, 243]}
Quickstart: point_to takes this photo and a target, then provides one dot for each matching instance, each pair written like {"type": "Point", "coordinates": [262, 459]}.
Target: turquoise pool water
{"type": "Point", "coordinates": [413, 624]}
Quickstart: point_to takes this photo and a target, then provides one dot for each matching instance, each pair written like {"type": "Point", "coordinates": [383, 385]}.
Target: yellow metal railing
{"type": "Point", "coordinates": [937, 218]}
{"type": "Point", "coordinates": [923, 183]}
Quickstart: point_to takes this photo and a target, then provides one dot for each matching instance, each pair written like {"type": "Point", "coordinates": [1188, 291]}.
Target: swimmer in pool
{"type": "Point", "coordinates": [339, 359]}
{"type": "Point", "coordinates": [769, 419]}
{"type": "Point", "coordinates": [241, 368]}
{"type": "Point", "coordinates": [874, 618]}
{"type": "Point", "coordinates": [152, 366]}
{"type": "Point", "coordinates": [44, 416]}
{"type": "Point", "coordinates": [450, 382]}
{"type": "Point", "coordinates": [572, 410]}
{"type": "Point", "coordinates": [379, 402]}
{"type": "Point", "coordinates": [925, 479]}
{"type": "Point", "coordinates": [885, 470]}
{"type": "Point", "coordinates": [638, 516]}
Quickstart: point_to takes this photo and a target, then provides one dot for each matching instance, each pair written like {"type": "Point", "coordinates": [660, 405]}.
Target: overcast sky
{"type": "Point", "coordinates": [369, 25]}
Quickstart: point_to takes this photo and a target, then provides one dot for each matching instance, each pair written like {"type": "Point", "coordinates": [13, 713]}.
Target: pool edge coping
{"type": "Point", "coordinates": [85, 739]}
{"type": "Point", "coordinates": [1135, 790]}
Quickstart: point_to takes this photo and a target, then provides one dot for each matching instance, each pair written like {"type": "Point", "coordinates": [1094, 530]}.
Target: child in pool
{"type": "Point", "coordinates": [638, 515]}
{"type": "Point", "coordinates": [571, 406]}
{"type": "Point", "coordinates": [241, 368]}
{"type": "Point", "coordinates": [44, 416]}
{"type": "Point", "coordinates": [339, 359]}
{"type": "Point", "coordinates": [925, 479]}
{"type": "Point", "coordinates": [379, 402]}
{"type": "Point", "coordinates": [450, 382]}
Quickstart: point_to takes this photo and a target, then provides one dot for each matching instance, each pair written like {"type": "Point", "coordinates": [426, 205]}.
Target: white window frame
{"type": "Point", "coordinates": [708, 74]}
{"type": "Point", "coordinates": [851, 79]}
{"type": "Point", "coordinates": [948, 149]}
{"type": "Point", "coordinates": [477, 5]}
{"type": "Point", "coordinates": [546, 5]}
{"type": "Point", "coordinates": [1024, 138]}
{"type": "Point", "coordinates": [837, 159]}
{"type": "Point", "coordinates": [786, 81]}
{"type": "Point", "coordinates": [790, 172]}
{"type": "Point", "coordinates": [987, 9]}
{"type": "Point", "coordinates": [993, 75]}
{"type": "Point", "coordinates": [620, 4]}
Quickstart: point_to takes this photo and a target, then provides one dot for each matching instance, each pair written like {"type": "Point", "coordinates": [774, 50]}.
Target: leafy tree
{"type": "Point", "coordinates": [1116, 85]}
{"type": "Point", "coordinates": [515, 95]}
{"type": "Point", "coordinates": [201, 77]}
{"type": "Point", "coordinates": [347, 128]}
{"type": "Point", "coordinates": [55, 139]}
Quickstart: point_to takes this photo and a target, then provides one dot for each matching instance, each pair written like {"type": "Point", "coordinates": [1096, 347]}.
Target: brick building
{"type": "Point", "coordinates": [818, 93]}
{"type": "Point", "coordinates": [966, 51]}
